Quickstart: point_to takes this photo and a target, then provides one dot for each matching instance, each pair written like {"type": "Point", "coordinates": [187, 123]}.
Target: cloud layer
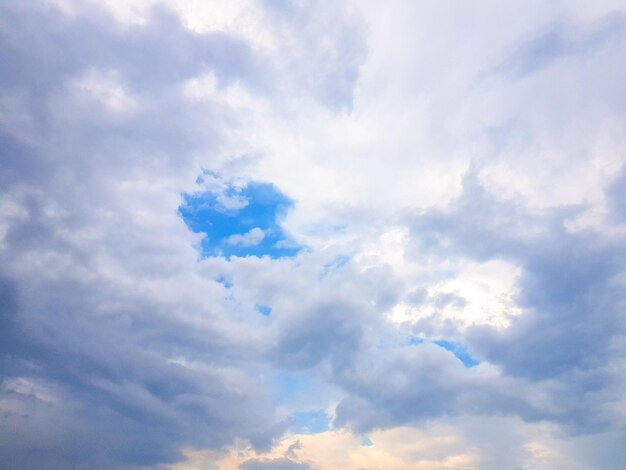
{"type": "Point", "coordinates": [285, 235]}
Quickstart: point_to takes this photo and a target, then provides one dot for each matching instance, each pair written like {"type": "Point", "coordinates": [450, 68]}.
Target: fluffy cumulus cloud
{"type": "Point", "coordinates": [312, 235]}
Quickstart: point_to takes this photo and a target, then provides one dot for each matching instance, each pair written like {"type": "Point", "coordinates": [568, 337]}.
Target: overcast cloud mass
{"type": "Point", "coordinates": [264, 234]}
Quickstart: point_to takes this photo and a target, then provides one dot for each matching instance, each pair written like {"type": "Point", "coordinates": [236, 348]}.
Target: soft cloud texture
{"type": "Point", "coordinates": [291, 235]}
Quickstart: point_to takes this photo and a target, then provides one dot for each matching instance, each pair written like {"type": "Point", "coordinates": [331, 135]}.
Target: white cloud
{"type": "Point", "coordinates": [251, 238]}
{"type": "Point", "coordinates": [479, 293]}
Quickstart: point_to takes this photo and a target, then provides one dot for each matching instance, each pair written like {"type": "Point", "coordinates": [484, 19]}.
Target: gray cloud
{"type": "Point", "coordinates": [553, 362]}
{"type": "Point", "coordinates": [275, 464]}
{"type": "Point", "coordinates": [567, 285]}
{"type": "Point", "coordinates": [106, 361]}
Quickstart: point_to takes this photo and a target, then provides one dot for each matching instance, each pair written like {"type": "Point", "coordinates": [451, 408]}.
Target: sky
{"type": "Point", "coordinates": [263, 235]}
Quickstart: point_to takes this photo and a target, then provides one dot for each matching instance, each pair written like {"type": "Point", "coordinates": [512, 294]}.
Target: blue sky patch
{"type": "Point", "coordinates": [225, 282]}
{"type": "Point", "coordinates": [239, 220]}
{"type": "Point", "coordinates": [310, 422]}
{"type": "Point", "coordinates": [292, 384]}
{"type": "Point", "coordinates": [459, 351]}
{"type": "Point", "coordinates": [263, 309]}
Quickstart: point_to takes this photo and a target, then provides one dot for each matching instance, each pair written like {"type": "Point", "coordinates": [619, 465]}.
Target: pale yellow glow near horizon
{"type": "Point", "coordinates": [464, 443]}
{"type": "Point", "coordinates": [399, 448]}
